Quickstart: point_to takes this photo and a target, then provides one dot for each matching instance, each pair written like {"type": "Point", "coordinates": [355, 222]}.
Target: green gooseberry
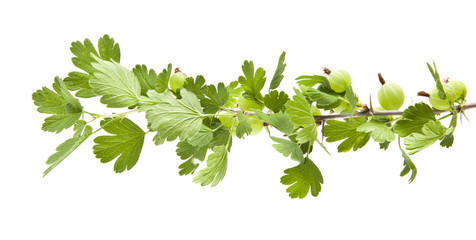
{"type": "Point", "coordinates": [391, 96]}
{"type": "Point", "coordinates": [339, 80]}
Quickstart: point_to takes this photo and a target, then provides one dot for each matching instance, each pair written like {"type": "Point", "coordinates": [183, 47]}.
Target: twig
{"type": "Point", "coordinates": [368, 112]}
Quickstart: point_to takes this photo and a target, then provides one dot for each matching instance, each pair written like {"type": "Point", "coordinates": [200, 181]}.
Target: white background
{"type": "Point", "coordinates": [363, 196]}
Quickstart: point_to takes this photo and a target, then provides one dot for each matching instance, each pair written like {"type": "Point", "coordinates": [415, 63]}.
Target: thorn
{"type": "Point", "coordinates": [322, 130]}
{"type": "Point", "coordinates": [464, 113]}
{"type": "Point", "coordinates": [371, 107]}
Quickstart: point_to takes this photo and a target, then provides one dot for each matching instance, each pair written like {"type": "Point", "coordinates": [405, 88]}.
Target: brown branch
{"type": "Point", "coordinates": [367, 113]}
{"type": "Point", "coordinates": [385, 113]}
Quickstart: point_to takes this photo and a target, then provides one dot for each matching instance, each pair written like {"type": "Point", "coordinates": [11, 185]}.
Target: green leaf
{"type": "Point", "coordinates": [125, 144]}
{"type": "Point", "coordinates": [216, 167]}
{"type": "Point", "coordinates": [202, 138]}
{"type": "Point", "coordinates": [78, 81]}
{"type": "Point", "coordinates": [408, 165]}
{"type": "Point", "coordinates": [352, 98]}
{"type": "Point", "coordinates": [147, 78]}
{"type": "Point", "coordinates": [299, 110]}
{"type": "Point", "coordinates": [278, 74]}
{"type": "Point", "coordinates": [449, 138]}
{"type": "Point", "coordinates": [336, 130]}
{"type": "Point", "coordinates": [220, 137]}
{"type": "Point", "coordinates": [118, 86]}
{"type": "Point", "coordinates": [275, 100]}
{"type": "Point", "coordinates": [82, 132]}
{"type": "Point", "coordinates": [234, 92]}
{"type": "Point", "coordinates": [188, 167]}
{"type": "Point", "coordinates": [324, 100]}
{"type": "Point", "coordinates": [192, 153]}
{"type": "Point", "coordinates": [243, 127]}
{"type": "Point", "coordinates": [252, 82]}
{"type": "Point", "coordinates": [307, 134]}
{"type": "Point", "coordinates": [158, 140]}
{"type": "Point", "coordinates": [108, 50]}
{"type": "Point", "coordinates": [436, 77]}
{"type": "Point", "coordinates": [287, 147]}
{"type": "Point", "coordinates": [171, 117]}
{"type": "Point", "coordinates": [217, 97]}
{"type": "Point", "coordinates": [163, 79]}
{"type": "Point", "coordinates": [84, 52]}
{"type": "Point", "coordinates": [66, 108]}
{"type": "Point", "coordinates": [414, 117]}
{"type": "Point", "coordinates": [280, 121]}
{"type": "Point", "coordinates": [196, 86]}
{"type": "Point", "coordinates": [311, 80]}
{"type": "Point", "coordinates": [384, 145]}
{"type": "Point", "coordinates": [186, 150]}
{"type": "Point", "coordinates": [379, 132]}
{"type": "Point", "coordinates": [430, 133]}
{"type": "Point", "coordinates": [303, 177]}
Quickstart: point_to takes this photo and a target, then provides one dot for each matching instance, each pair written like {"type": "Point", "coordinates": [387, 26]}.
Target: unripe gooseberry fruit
{"type": "Point", "coordinates": [459, 89]}
{"type": "Point", "coordinates": [248, 105]}
{"type": "Point", "coordinates": [177, 80]}
{"type": "Point", "coordinates": [391, 96]}
{"type": "Point", "coordinates": [439, 103]}
{"type": "Point", "coordinates": [339, 80]}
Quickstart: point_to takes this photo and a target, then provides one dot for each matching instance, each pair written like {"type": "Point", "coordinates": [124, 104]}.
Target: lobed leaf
{"type": "Point", "coordinates": [299, 110]}
{"type": "Point", "coordinates": [430, 133]}
{"type": "Point", "coordinates": [216, 98]}
{"type": "Point", "coordinates": [379, 131]}
{"type": "Point", "coordinates": [324, 100]}
{"type": "Point", "coordinates": [336, 130]}
{"type": "Point", "coordinates": [118, 86]}
{"type": "Point", "coordinates": [288, 147]}
{"type": "Point", "coordinates": [163, 79]}
{"type": "Point", "coordinates": [65, 108]}
{"type": "Point", "coordinates": [171, 117]}
{"type": "Point", "coordinates": [147, 78]}
{"type": "Point", "coordinates": [125, 144]}
{"type": "Point", "coordinates": [190, 153]}
{"type": "Point", "coordinates": [280, 121]}
{"type": "Point", "coordinates": [303, 177]}
{"type": "Point", "coordinates": [234, 92]}
{"type": "Point", "coordinates": [82, 132]}
{"type": "Point", "coordinates": [311, 80]}
{"type": "Point", "coordinates": [413, 119]}
{"type": "Point", "coordinates": [275, 101]}
{"type": "Point", "coordinates": [278, 74]}
{"type": "Point", "coordinates": [196, 86]}
{"type": "Point", "coordinates": [216, 167]}
{"type": "Point", "coordinates": [252, 82]}
{"type": "Point", "coordinates": [243, 127]}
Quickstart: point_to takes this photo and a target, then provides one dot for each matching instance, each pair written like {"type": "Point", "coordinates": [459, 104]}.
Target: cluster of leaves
{"type": "Point", "coordinates": [194, 117]}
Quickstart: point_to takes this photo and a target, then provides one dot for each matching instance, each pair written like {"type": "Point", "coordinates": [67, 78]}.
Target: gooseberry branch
{"type": "Point", "coordinates": [205, 118]}
{"type": "Point", "coordinates": [366, 113]}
